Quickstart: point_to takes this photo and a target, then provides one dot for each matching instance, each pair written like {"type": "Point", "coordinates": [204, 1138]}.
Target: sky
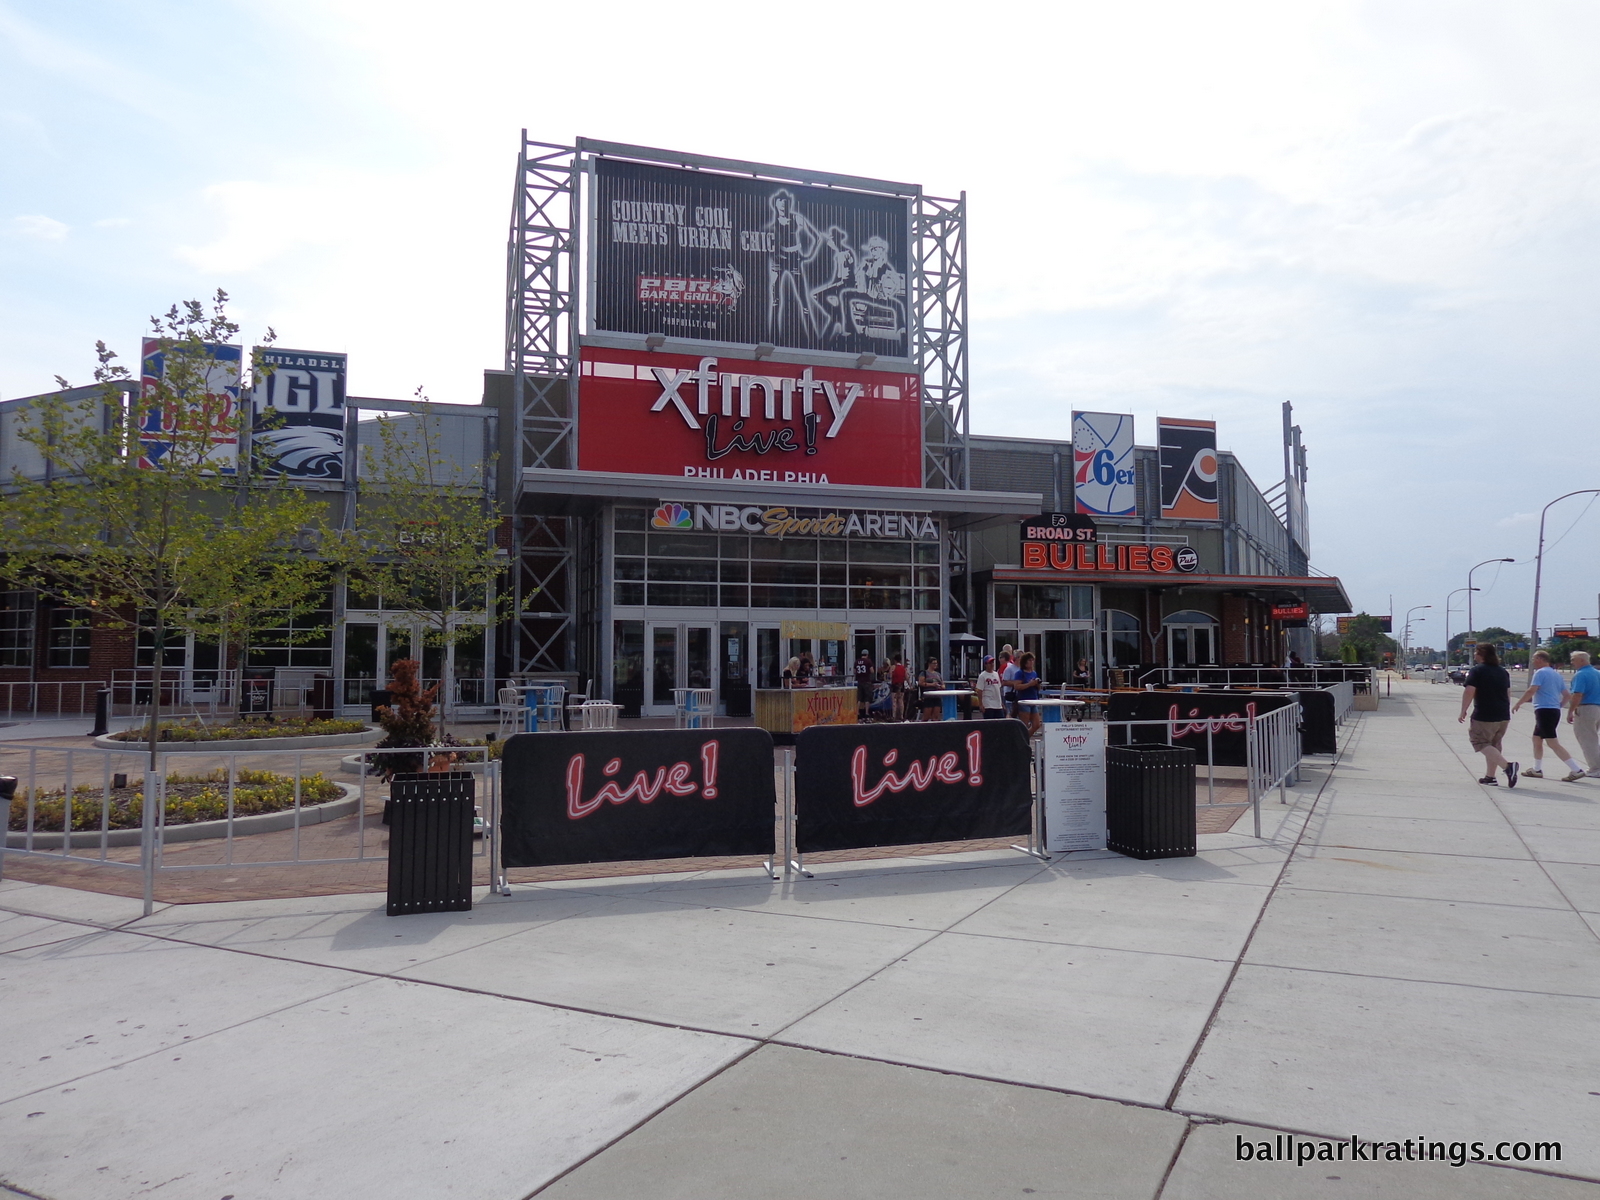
{"type": "Point", "coordinates": [1387, 214]}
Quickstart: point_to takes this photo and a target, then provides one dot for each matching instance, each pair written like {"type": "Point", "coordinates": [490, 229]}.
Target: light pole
{"type": "Point", "coordinates": [1538, 563]}
{"type": "Point", "coordinates": [1471, 628]}
{"type": "Point", "coordinates": [1447, 600]}
{"type": "Point", "coordinates": [1405, 645]}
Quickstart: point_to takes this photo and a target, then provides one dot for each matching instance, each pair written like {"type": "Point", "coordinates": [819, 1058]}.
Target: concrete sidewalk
{"type": "Point", "coordinates": [1407, 955]}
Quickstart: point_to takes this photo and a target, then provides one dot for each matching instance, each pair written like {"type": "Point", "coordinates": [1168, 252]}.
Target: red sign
{"type": "Point", "coordinates": [1290, 612]}
{"type": "Point", "coordinates": [709, 417]}
{"type": "Point", "coordinates": [1102, 556]}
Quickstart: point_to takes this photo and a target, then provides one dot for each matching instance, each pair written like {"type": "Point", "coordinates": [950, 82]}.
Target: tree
{"type": "Point", "coordinates": [1363, 640]}
{"type": "Point", "coordinates": [429, 528]}
{"type": "Point", "coordinates": [145, 519]}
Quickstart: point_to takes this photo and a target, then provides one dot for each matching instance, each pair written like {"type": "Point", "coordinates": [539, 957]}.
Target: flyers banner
{"type": "Point", "coordinates": [1195, 716]}
{"type": "Point", "coordinates": [901, 784]}
{"type": "Point", "coordinates": [704, 417]}
{"type": "Point", "coordinates": [618, 796]}
{"type": "Point", "coordinates": [1103, 481]}
{"type": "Point", "coordinates": [220, 376]}
{"type": "Point", "coordinates": [1188, 468]}
{"type": "Point", "coordinates": [696, 255]}
{"type": "Point", "coordinates": [297, 415]}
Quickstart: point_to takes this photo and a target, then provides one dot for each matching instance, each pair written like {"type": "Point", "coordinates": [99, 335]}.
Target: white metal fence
{"type": "Point", "coordinates": [90, 787]}
{"type": "Point", "coordinates": [31, 701]}
{"type": "Point", "coordinates": [1272, 754]}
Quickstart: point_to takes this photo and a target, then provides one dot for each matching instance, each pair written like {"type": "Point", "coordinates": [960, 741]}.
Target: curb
{"type": "Point", "coordinates": [197, 831]}
{"type": "Point", "coordinates": [350, 764]}
{"type": "Point", "coordinates": [316, 742]}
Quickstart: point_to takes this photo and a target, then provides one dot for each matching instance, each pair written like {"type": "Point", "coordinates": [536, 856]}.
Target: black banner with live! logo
{"type": "Point", "coordinates": [1221, 717]}
{"type": "Point", "coordinates": [621, 796]}
{"type": "Point", "coordinates": [899, 785]}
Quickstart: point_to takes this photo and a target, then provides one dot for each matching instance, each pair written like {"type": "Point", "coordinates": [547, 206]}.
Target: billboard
{"type": "Point", "coordinates": [692, 254]}
{"type": "Point", "coordinates": [297, 415]}
{"type": "Point", "coordinates": [1103, 483]}
{"type": "Point", "coordinates": [1188, 453]}
{"type": "Point", "coordinates": [1385, 624]}
{"type": "Point", "coordinates": [1566, 633]}
{"type": "Point", "coordinates": [650, 413]}
{"type": "Point", "coordinates": [220, 404]}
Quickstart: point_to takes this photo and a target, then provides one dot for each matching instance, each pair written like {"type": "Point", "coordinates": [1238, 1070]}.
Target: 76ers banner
{"type": "Point", "coordinates": [705, 417]}
{"type": "Point", "coordinates": [1188, 468]}
{"type": "Point", "coordinates": [693, 254]}
{"type": "Point", "coordinates": [654, 793]}
{"type": "Point", "coordinates": [1103, 479]}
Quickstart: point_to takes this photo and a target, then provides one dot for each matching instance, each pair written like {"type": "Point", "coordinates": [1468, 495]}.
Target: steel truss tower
{"type": "Point", "coordinates": [542, 287]}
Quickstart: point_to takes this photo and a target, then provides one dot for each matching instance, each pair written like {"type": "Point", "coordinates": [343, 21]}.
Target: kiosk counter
{"type": "Point", "coordinates": [789, 710]}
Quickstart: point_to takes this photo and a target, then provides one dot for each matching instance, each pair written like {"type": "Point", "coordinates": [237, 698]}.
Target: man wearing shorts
{"type": "Point", "coordinates": [1548, 691]}
{"type": "Point", "coordinates": [1488, 691]}
{"type": "Point", "coordinates": [1584, 711]}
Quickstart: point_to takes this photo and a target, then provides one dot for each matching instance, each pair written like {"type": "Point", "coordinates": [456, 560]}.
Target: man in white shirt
{"type": "Point", "coordinates": [1008, 672]}
{"type": "Point", "coordinates": [989, 691]}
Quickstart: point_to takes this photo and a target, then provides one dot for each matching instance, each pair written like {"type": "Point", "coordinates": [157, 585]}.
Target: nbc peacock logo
{"type": "Point", "coordinates": [672, 516]}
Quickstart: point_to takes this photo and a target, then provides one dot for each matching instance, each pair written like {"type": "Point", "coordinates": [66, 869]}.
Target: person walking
{"type": "Point", "coordinates": [1548, 691]}
{"type": "Point", "coordinates": [1025, 686]}
{"type": "Point", "coordinates": [1584, 711]}
{"type": "Point", "coordinates": [1488, 692]}
{"type": "Point", "coordinates": [989, 700]}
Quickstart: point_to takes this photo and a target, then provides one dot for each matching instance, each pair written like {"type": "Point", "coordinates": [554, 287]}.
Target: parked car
{"type": "Point", "coordinates": [1458, 674]}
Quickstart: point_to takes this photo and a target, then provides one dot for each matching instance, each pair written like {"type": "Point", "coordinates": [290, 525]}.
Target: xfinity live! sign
{"type": "Point", "coordinates": [781, 521]}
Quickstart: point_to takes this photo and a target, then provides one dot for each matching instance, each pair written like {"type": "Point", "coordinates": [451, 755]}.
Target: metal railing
{"type": "Point", "coordinates": [468, 693]}
{"type": "Point", "coordinates": [1344, 699]}
{"type": "Point", "coordinates": [1268, 677]}
{"type": "Point", "coordinates": [49, 699]}
{"type": "Point", "coordinates": [85, 795]}
{"type": "Point", "coordinates": [1272, 755]}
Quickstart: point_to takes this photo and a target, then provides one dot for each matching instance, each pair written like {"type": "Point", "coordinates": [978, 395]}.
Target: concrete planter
{"type": "Point", "coordinates": [311, 814]}
{"type": "Point", "coordinates": [323, 742]}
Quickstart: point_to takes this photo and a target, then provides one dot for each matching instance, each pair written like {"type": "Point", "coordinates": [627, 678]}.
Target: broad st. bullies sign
{"type": "Point", "coordinates": [709, 417]}
{"type": "Point", "coordinates": [904, 784]}
{"type": "Point", "coordinates": [693, 254]}
{"type": "Point", "coordinates": [620, 796]}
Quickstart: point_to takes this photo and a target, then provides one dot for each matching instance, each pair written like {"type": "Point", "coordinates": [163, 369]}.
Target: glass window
{"type": "Point", "coordinates": [682, 593]}
{"type": "Point", "coordinates": [876, 576]}
{"type": "Point", "coordinates": [928, 647]}
{"type": "Point", "coordinates": [1123, 643]}
{"type": "Point", "coordinates": [1005, 600]}
{"type": "Point", "coordinates": [832, 574]}
{"type": "Point", "coordinates": [69, 638]}
{"type": "Point", "coordinates": [683, 545]}
{"type": "Point", "coordinates": [832, 549]}
{"type": "Point", "coordinates": [177, 645]}
{"type": "Point", "coordinates": [783, 572]}
{"type": "Point", "coordinates": [627, 664]}
{"type": "Point", "coordinates": [667, 570]}
{"type": "Point", "coordinates": [874, 551]}
{"type": "Point", "coordinates": [632, 518]}
{"type": "Point", "coordinates": [16, 629]}
{"type": "Point", "coordinates": [630, 593]}
{"type": "Point", "coordinates": [1047, 603]}
{"type": "Point", "coordinates": [783, 597]}
{"type": "Point", "coordinates": [359, 594]}
{"type": "Point", "coordinates": [928, 552]}
{"type": "Point", "coordinates": [735, 572]}
{"type": "Point", "coordinates": [630, 543]}
{"type": "Point", "coordinates": [831, 597]}
{"type": "Point", "coordinates": [1082, 602]}
{"type": "Point", "coordinates": [928, 577]}
{"type": "Point", "coordinates": [880, 598]}
{"type": "Point", "coordinates": [630, 568]}
{"type": "Point", "coordinates": [302, 641]}
{"type": "Point", "coordinates": [737, 548]}
{"type": "Point", "coordinates": [788, 549]}
{"type": "Point", "coordinates": [735, 597]}
{"type": "Point", "coordinates": [927, 601]}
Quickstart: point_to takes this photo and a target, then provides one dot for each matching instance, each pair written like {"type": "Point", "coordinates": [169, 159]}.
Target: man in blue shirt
{"type": "Point", "coordinates": [1583, 710]}
{"type": "Point", "coordinates": [1548, 691]}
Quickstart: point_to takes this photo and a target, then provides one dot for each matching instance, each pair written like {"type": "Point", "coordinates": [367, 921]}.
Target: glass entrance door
{"type": "Point", "coordinates": [679, 656]}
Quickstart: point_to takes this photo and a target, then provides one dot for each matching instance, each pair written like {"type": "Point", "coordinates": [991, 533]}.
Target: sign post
{"type": "Point", "coordinates": [1072, 773]}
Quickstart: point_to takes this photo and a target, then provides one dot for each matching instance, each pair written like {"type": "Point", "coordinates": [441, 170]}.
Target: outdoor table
{"type": "Point", "coordinates": [1050, 708]}
{"type": "Point", "coordinates": [948, 698]}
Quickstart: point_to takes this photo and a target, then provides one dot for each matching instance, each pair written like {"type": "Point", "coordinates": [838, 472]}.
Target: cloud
{"type": "Point", "coordinates": [44, 229]}
{"type": "Point", "coordinates": [113, 222]}
{"type": "Point", "coordinates": [1516, 519]}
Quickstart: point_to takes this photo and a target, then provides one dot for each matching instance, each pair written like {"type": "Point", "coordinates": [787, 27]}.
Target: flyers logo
{"type": "Point", "coordinates": [672, 516]}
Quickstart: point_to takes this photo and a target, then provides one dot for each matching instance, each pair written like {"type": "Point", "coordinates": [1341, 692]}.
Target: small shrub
{"type": "Point", "coordinates": [179, 731]}
{"type": "Point", "coordinates": [190, 798]}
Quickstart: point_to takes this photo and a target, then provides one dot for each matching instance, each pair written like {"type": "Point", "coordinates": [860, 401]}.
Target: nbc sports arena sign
{"type": "Point", "coordinates": [780, 521]}
{"type": "Point", "coordinates": [713, 417]}
{"type": "Point", "coordinates": [713, 257]}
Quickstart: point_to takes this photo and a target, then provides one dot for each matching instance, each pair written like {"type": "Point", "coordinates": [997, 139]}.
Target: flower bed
{"type": "Point", "coordinates": [244, 732]}
{"type": "Point", "coordinates": [190, 798]}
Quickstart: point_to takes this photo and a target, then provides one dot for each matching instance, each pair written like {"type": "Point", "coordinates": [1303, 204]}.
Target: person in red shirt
{"type": "Point", "coordinates": [897, 688]}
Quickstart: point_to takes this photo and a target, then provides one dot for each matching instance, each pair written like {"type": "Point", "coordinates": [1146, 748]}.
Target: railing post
{"type": "Point", "coordinates": [147, 838]}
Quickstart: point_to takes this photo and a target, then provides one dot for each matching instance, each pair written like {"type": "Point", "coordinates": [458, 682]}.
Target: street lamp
{"type": "Point", "coordinates": [1538, 563]}
{"type": "Point", "coordinates": [1471, 628]}
{"type": "Point", "coordinates": [1447, 600]}
{"type": "Point", "coordinates": [1406, 643]}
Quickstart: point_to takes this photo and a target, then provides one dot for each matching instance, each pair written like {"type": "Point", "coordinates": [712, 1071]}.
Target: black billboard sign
{"type": "Point", "coordinates": [903, 784]}
{"type": "Point", "coordinates": [693, 254]}
{"type": "Point", "coordinates": [1195, 718]}
{"type": "Point", "coordinates": [1189, 468]}
{"type": "Point", "coordinates": [297, 426]}
{"type": "Point", "coordinates": [620, 796]}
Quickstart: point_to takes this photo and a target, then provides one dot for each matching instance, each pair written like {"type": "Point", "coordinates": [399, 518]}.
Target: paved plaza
{"type": "Point", "coordinates": [1406, 956]}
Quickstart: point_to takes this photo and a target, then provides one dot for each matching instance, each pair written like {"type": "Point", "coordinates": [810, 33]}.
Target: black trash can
{"type": "Point", "coordinates": [430, 842]}
{"type": "Point", "coordinates": [1150, 801]}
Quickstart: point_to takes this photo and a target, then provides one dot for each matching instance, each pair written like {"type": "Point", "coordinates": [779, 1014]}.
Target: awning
{"type": "Point", "coordinates": [558, 493]}
{"type": "Point", "coordinates": [1322, 593]}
